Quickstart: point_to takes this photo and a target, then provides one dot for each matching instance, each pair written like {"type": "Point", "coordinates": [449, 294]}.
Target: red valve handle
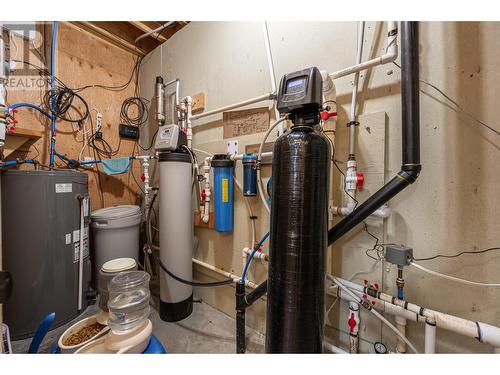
{"type": "Point", "coordinates": [325, 115]}
{"type": "Point", "coordinates": [361, 181]}
{"type": "Point", "coordinates": [143, 178]}
{"type": "Point", "coordinates": [351, 322]}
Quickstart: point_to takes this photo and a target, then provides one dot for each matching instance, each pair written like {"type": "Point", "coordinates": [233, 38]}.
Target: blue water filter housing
{"type": "Point", "coordinates": [222, 166]}
{"type": "Point", "coordinates": [249, 175]}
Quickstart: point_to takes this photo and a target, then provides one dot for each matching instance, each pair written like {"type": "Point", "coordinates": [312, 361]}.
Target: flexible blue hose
{"type": "Point", "coordinates": [255, 249]}
{"type": "Point", "coordinates": [10, 163]}
{"type": "Point", "coordinates": [29, 105]}
{"type": "Point", "coordinates": [52, 88]}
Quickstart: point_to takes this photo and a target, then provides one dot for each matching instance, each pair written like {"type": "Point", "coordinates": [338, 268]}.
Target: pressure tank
{"type": "Point", "coordinates": [41, 241]}
{"type": "Point", "coordinates": [222, 166]}
{"type": "Point", "coordinates": [176, 235]}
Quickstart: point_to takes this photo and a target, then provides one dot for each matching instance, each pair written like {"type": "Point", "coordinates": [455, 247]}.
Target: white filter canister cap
{"type": "Point", "coordinates": [118, 265]}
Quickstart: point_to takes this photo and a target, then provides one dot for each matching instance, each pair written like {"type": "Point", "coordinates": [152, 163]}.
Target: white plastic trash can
{"type": "Point", "coordinates": [116, 233]}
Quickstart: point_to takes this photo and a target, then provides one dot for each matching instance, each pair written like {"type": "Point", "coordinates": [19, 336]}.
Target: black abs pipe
{"type": "Point", "coordinates": [410, 111]}
{"type": "Point", "coordinates": [243, 301]}
{"type": "Point", "coordinates": [254, 295]}
{"type": "Point", "coordinates": [240, 318]}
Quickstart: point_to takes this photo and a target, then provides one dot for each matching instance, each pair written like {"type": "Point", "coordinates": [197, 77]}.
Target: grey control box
{"type": "Point", "coordinates": [167, 138]}
{"type": "Point", "coordinates": [399, 255]}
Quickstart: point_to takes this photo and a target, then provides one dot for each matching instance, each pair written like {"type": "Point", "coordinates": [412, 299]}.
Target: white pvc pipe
{"type": "Point", "coordinates": [379, 305]}
{"type": "Point", "coordinates": [333, 349]}
{"type": "Point", "coordinates": [157, 30]}
{"type": "Point", "coordinates": [401, 326]}
{"type": "Point", "coordinates": [270, 64]}
{"type": "Point", "coordinates": [354, 332]}
{"type": "Point", "coordinates": [258, 255]}
{"type": "Point", "coordinates": [377, 314]}
{"type": "Point", "coordinates": [243, 103]}
{"type": "Point", "coordinates": [430, 337]}
{"type": "Point", "coordinates": [354, 98]}
{"type": "Point", "coordinates": [249, 207]}
{"type": "Point", "coordinates": [452, 278]}
{"type": "Point", "coordinates": [229, 275]}
{"type": "Point", "coordinates": [382, 212]}
{"type": "Point", "coordinates": [189, 133]}
{"type": "Point", "coordinates": [269, 55]}
{"type": "Point", "coordinates": [240, 156]}
{"type": "Point", "coordinates": [485, 333]}
{"type": "Point", "coordinates": [389, 56]}
{"type": "Point", "coordinates": [330, 99]}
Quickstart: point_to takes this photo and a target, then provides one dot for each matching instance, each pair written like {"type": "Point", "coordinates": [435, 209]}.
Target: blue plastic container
{"type": "Point", "coordinates": [223, 192]}
{"type": "Point", "coordinates": [249, 175]}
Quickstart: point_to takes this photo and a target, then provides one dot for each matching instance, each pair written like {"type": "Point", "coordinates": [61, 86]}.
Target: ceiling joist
{"type": "Point", "coordinates": [124, 34]}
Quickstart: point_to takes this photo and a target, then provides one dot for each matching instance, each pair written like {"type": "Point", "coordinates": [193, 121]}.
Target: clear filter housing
{"type": "Point", "coordinates": [128, 300]}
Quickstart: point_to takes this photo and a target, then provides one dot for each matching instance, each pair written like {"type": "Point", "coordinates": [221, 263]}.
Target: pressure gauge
{"type": "Point", "coordinates": [380, 348]}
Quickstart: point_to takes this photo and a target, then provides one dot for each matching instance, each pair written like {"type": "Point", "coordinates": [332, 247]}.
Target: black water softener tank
{"type": "Point", "coordinates": [299, 219]}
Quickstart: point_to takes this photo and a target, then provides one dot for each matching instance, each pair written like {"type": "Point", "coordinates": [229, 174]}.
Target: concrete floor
{"type": "Point", "coordinates": [206, 330]}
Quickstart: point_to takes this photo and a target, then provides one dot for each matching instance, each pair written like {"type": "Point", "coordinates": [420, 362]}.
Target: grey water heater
{"type": "Point", "coordinates": [40, 228]}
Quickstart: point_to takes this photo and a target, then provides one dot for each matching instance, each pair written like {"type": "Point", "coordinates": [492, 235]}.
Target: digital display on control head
{"type": "Point", "coordinates": [296, 85]}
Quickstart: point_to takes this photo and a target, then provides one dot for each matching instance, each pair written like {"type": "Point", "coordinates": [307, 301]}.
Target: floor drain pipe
{"type": "Point", "coordinates": [410, 108]}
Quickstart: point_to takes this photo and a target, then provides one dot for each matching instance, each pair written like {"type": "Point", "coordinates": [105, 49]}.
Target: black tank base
{"type": "Point", "coordinates": [173, 312]}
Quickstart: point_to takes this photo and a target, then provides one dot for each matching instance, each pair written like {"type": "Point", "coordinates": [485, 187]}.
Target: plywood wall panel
{"type": "Point", "coordinates": [83, 60]}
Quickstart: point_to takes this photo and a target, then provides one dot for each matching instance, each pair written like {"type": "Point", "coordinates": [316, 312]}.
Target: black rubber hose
{"type": "Point", "coordinates": [163, 267]}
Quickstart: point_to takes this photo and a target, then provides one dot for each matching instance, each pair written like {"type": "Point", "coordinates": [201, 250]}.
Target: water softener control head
{"type": "Point", "coordinates": [301, 91]}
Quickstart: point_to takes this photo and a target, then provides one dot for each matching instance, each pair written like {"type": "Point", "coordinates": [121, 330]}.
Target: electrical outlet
{"type": "Point", "coordinates": [87, 159]}
{"type": "Point", "coordinates": [98, 121]}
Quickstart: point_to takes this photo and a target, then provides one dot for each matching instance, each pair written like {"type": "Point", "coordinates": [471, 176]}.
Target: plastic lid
{"type": "Point", "coordinates": [221, 160]}
{"type": "Point", "coordinates": [115, 212]}
{"type": "Point", "coordinates": [174, 156]}
{"type": "Point", "coordinates": [128, 280]}
{"type": "Point", "coordinates": [119, 264]}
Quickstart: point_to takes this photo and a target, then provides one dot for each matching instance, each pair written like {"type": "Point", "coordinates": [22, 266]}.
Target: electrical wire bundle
{"type": "Point", "coordinates": [134, 111]}
{"type": "Point", "coordinates": [64, 99]}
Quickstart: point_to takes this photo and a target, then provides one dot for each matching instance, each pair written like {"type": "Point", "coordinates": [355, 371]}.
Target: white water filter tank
{"type": "Point", "coordinates": [176, 235]}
